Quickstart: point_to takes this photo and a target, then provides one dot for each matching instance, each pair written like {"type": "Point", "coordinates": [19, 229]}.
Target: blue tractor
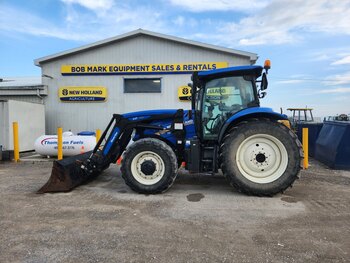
{"type": "Point", "coordinates": [225, 129]}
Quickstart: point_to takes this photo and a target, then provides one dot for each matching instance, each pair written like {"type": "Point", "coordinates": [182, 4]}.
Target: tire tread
{"type": "Point", "coordinates": [157, 145]}
{"type": "Point", "coordinates": [243, 188]}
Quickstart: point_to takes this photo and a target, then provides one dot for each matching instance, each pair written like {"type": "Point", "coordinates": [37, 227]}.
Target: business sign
{"type": "Point", "coordinates": [184, 93]}
{"type": "Point", "coordinates": [217, 91]}
{"type": "Point", "coordinates": [82, 94]}
{"type": "Point", "coordinates": [115, 69]}
{"type": "Point", "coordinates": [223, 93]}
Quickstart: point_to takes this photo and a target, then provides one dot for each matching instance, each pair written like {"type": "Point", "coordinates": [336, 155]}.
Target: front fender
{"type": "Point", "coordinates": [249, 113]}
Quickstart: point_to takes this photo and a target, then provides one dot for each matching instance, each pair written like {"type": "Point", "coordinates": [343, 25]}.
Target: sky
{"type": "Point", "coordinates": [307, 41]}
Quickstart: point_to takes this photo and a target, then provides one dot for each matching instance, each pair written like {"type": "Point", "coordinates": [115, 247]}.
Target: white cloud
{"type": "Point", "coordinates": [290, 81]}
{"type": "Point", "coordinates": [35, 25]}
{"type": "Point", "coordinates": [179, 21]}
{"type": "Point", "coordinates": [220, 5]}
{"type": "Point", "coordinates": [343, 61]}
{"type": "Point", "coordinates": [330, 54]}
{"type": "Point", "coordinates": [319, 55]}
{"type": "Point", "coordinates": [187, 22]}
{"type": "Point", "coordinates": [336, 90]}
{"type": "Point", "coordinates": [79, 25]}
{"type": "Point", "coordinates": [339, 79]}
{"type": "Point", "coordinates": [272, 22]}
{"type": "Point", "coordinates": [285, 21]}
{"type": "Point", "coordinates": [94, 5]}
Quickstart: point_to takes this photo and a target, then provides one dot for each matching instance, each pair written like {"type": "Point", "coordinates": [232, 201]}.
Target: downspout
{"type": "Point", "coordinates": [38, 94]}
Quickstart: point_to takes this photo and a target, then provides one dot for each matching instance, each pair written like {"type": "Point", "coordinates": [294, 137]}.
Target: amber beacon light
{"type": "Point", "coordinates": [267, 64]}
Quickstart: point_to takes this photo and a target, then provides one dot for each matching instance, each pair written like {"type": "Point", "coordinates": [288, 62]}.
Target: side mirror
{"type": "Point", "coordinates": [264, 82]}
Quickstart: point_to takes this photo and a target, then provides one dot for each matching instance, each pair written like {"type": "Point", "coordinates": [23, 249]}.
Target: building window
{"type": "Point", "coordinates": [142, 85]}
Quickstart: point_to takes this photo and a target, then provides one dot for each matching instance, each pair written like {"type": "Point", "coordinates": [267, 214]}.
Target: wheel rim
{"type": "Point", "coordinates": [262, 158]}
{"type": "Point", "coordinates": [141, 177]}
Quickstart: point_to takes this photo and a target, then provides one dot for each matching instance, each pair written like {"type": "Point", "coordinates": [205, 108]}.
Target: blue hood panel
{"type": "Point", "coordinates": [147, 113]}
{"type": "Point", "coordinates": [165, 123]}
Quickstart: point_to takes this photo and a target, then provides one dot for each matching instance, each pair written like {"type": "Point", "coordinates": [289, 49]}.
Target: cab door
{"type": "Point", "coordinates": [222, 98]}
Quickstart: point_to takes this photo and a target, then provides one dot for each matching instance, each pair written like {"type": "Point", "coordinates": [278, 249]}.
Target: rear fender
{"type": "Point", "coordinates": [250, 113]}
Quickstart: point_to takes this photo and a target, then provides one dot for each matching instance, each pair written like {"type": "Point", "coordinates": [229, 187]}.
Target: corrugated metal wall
{"type": "Point", "coordinates": [138, 50]}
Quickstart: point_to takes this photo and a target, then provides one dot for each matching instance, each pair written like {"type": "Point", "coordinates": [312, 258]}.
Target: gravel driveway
{"type": "Point", "coordinates": [200, 219]}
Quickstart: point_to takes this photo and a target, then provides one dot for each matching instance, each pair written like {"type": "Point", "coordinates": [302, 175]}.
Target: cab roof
{"type": "Point", "coordinates": [231, 71]}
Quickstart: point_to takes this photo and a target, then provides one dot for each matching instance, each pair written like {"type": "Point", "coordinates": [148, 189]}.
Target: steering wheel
{"type": "Point", "coordinates": [234, 107]}
{"type": "Point", "coordinates": [215, 124]}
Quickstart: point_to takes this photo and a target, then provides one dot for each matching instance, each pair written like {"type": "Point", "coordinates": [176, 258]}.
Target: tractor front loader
{"type": "Point", "coordinates": [225, 129]}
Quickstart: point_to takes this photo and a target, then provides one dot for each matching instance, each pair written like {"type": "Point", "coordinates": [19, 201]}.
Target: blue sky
{"type": "Point", "coordinates": [307, 41]}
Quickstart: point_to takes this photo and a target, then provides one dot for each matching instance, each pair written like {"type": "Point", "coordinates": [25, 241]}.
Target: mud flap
{"type": "Point", "coordinates": [67, 174]}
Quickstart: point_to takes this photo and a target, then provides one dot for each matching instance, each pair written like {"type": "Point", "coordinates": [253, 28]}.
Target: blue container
{"type": "Point", "coordinates": [333, 145]}
{"type": "Point", "coordinates": [86, 133]}
{"type": "Point", "coordinates": [314, 131]}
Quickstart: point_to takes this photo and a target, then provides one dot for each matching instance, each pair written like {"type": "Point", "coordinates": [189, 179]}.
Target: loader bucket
{"type": "Point", "coordinates": [67, 174]}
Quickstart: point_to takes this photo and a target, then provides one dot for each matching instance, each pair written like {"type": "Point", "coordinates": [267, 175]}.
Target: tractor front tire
{"type": "Point", "coordinates": [261, 157]}
{"type": "Point", "coordinates": [149, 166]}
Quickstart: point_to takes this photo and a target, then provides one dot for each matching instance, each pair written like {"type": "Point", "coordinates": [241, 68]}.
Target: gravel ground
{"type": "Point", "coordinates": [200, 219]}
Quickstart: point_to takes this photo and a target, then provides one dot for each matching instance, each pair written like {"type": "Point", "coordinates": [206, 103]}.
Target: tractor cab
{"type": "Point", "coordinates": [220, 94]}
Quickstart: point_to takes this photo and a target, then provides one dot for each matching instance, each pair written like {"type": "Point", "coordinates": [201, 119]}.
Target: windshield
{"type": "Point", "coordinates": [222, 98]}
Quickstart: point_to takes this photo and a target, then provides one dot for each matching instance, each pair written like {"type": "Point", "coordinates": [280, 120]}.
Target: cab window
{"type": "Point", "coordinates": [222, 98]}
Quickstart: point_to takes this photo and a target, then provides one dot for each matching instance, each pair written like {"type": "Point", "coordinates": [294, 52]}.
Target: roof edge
{"type": "Point", "coordinates": [253, 56]}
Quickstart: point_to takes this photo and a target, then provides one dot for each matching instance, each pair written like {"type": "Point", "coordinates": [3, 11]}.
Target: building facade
{"type": "Point", "coordinates": [136, 71]}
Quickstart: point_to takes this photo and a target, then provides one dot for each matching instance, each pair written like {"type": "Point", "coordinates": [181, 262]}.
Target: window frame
{"type": "Point", "coordinates": [138, 79]}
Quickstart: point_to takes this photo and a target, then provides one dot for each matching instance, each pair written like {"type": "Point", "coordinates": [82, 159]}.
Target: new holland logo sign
{"type": "Point", "coordinates": [184, 93]}
{"type": "Point", "coordinates": [82, 94]}
{"type": "Point", "coordinates": [125, 69]}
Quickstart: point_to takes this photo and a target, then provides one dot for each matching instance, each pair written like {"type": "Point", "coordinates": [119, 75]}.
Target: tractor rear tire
{"type": "Point", "coordinates": [261, 157]}
{"type": "Point", "coordinates": [149, 166]}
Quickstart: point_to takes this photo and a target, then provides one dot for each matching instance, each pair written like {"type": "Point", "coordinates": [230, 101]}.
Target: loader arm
{"type": "Point", "coordinates": [118, 133]}
{"type": "Point", "coordinates": [76, 170]}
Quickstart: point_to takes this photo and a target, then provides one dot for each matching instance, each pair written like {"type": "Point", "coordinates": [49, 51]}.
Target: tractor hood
{"type": "Point", "coordinates": [162, 118]}
{"type": "Point", "coordinates": [148, 113]}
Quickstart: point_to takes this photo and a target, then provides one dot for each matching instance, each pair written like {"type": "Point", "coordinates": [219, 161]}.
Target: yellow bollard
{"type": "Point", "coordinates": [59, 144]}
{"type": "Point", "coordinates": [15, 141]}
{"type": "Point", "coordinates": [98, 135]}
{"type": "Point", "coordinates": [306, 147]}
